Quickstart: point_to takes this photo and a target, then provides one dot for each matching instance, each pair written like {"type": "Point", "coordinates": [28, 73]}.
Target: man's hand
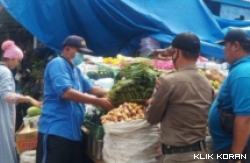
{"type": "Point", "coordinates": [162, 54]}
{"type": "Point", "coordinates": [97, 91]}
{"type": "Point", "coordinates": [104, 103]}
{"type": "Point", "coordinates": [241, 133]}
{"type": "Point", "coordinates": [148, 101]}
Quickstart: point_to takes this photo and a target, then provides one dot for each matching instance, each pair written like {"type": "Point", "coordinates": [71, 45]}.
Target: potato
{"type": "Point", "coordinates": [124, 117]}
{"type": "Point", "coordinates": [128, 119]}
{"type": "Point", "coordinates": [119, 119]}
{"type": "Point", "coordinates": [109, 121]}
{"type": "Point", "coordinates": [110, 118]}
{"type": "Point", "coordinates": [140, 112]}
{"type": "Point", "coordinates": [130, 108]}
{"type": "Point", "coordinates": [133, 111]}
{"type": "Point", "coordinates": [111, 113]}
{"type": "Point", "coordinates": [104, 117]}
{"type": "Point", "coordinates": [126, 111]}
{"type": "Point", "coordinates": [134, 117]}
{"type": "Point", "coordinates": [134, 105]}
{"type": "Point", "coordinates": [104, 120]}
{"type": "Point", "coordinates": [118, 114]}
{"type": "Point", "coordinates": [138, 116]}
{"type": "Point", "coordinates": [142, 116]}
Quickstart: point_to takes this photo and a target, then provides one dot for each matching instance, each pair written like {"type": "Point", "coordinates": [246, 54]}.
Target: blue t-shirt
{"type": "Point", "coordinates": [60, 116]}
{"type": "Point", "coordinates": [234, 93]}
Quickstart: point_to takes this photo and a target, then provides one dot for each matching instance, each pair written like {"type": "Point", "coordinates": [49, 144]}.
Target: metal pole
{"type": "Point", "coordinates": [34, 42]}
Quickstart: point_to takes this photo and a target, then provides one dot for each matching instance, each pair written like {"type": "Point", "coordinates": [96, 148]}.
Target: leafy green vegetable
{"type": "Point", "coordinates": [135, 81]}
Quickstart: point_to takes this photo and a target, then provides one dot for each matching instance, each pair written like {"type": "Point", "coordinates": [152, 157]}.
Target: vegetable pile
{"type": "Point", "coordinates": [214, 76]}
{"type": "Point", "coordinates": [125, 112]}
{"type": "Point", "coordinates": [135, 81]}
{"type": "Point", "coordinates": [163, 65]}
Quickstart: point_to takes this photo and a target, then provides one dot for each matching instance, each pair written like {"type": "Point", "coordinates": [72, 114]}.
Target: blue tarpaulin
{"type": "Point", "coordinates": [238, 3]}
{"type": "Point", "coordinates": [117, 26]}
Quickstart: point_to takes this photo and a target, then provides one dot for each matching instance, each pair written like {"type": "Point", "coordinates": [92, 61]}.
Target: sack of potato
{"type": "Point", "coordinates": [128, 136]}
{"type": "Point", "coordinates": [127, 111]}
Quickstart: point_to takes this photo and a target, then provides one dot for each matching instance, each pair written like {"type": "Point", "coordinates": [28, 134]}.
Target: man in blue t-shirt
{"type": "Point", "coordinates": [233, 96]}
{"type": "Point", "coordinates": [63, 110]}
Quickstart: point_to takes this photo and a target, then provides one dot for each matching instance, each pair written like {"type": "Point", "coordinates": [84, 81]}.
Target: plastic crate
{"type": "Point", "coordinates": [96, 131]}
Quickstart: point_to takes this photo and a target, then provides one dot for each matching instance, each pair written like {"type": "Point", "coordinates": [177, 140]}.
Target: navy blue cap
{"type": "Point", "coordinates": [187, 41]}
{"type": "Point", "coordinates": [235, 35]}
{"type": "Point", "coordinates": [78, 42]}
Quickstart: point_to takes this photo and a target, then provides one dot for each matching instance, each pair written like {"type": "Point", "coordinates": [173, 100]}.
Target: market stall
{"type": "Point", "coordinates": [130, 82]}
{"type": "Point", "coordinates": [129, 92]}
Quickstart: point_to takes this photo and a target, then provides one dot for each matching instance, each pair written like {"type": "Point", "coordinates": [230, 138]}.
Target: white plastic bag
{"type": "Point", "coordinates": [105, 83]}
{"type": "Point", "coordinates": [130, 142]}
{"type": "Point", "coordinates": [28, 157]}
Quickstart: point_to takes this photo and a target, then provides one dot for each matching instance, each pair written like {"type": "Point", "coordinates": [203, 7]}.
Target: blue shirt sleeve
{"type": "Point", "coordinates": [240, 92]}
{"type": "Point", "coordinates": [60, 76]}
{"type": "Point", "coordinates": [87, 86]}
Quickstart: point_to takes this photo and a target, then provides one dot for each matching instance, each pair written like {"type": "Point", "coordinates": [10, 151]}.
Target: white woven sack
{"type": "Point", "coordinates": [130, 142]}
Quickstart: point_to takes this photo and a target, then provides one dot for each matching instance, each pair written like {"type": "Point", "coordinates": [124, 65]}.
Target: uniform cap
{"type": "Point", "coordinates": [187, 42]}
{"type": "Point", "coordinates": [235, 35]}
{"type": "Point", "coordinates": [78, 42]}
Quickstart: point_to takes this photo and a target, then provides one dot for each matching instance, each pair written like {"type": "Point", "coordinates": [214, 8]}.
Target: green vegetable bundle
{"type": "Point", "coordinates": [136, 81]}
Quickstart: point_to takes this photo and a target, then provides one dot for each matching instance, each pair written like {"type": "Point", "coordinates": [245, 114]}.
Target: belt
{"type": "Point", "coordinates": [170, 149]}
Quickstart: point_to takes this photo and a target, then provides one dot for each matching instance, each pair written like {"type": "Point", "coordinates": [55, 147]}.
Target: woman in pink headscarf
{"type": "Point", "coordinates": [12, 56]}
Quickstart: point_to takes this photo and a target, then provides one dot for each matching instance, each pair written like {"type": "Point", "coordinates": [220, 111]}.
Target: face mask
{"type": "Point", "coordinates": [78, 59]}
{"type": "Point", "coordinates": [174, 60]}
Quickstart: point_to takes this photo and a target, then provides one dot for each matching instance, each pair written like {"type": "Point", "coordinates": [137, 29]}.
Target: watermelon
{"type": "Point", "coordinates": [33, 111]}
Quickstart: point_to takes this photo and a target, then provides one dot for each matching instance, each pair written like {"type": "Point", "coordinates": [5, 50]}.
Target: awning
{"type": "Point", "coordinates": [238, 3]}
{"type": "Point", "coordinates": [117, 26]}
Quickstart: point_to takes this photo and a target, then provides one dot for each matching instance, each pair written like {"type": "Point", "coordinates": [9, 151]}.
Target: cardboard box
{"type": "Point", "coordinates": [26, 139]}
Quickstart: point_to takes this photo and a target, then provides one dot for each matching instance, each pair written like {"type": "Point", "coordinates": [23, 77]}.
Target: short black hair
{"type": "Point", "coordinates": [245, 46]}
{"type": "Point", "coordinates": [190, 55]}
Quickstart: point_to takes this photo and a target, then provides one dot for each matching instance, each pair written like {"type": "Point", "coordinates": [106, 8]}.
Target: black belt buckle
{"type": "Point", "coordinates": [170, 149]}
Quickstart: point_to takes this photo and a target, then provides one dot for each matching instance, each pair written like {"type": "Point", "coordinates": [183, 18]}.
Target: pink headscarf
{"type": "Point", "coordinates": [11, 50]}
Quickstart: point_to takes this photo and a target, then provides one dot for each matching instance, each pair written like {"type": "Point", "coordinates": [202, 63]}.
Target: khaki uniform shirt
{"type": "Point", "coordinates": [181, 104]}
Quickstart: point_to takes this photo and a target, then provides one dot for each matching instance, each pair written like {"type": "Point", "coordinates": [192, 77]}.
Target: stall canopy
{"type": "Point", "coordinates": [239, 3]}
{"type": "Point", "coordinates": [117, 26]}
